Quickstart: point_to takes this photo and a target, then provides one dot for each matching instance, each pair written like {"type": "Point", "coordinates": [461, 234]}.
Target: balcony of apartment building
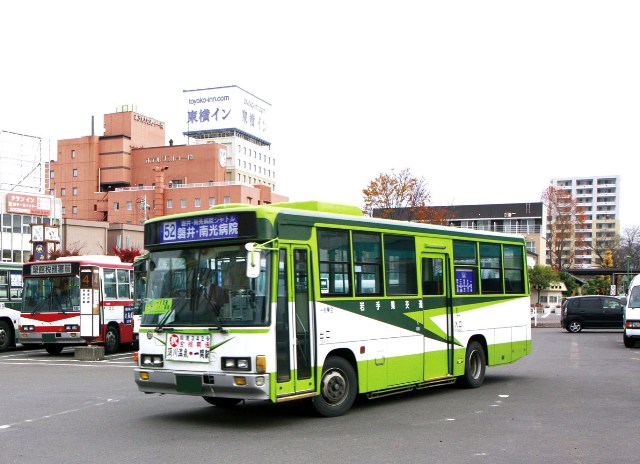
{"type": "Point", "coordinates": [497, 226]}
{"type": "Point", "coordinates": [607, 182]}
{"type": "Point", "coordinates": [584, 182]}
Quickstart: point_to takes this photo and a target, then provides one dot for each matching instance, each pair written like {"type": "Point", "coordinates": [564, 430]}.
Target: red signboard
{"type": "Point", "coordinates": [23, 203]}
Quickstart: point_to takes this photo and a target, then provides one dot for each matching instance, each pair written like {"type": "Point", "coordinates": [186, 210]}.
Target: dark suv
{"type": "Point", "coordinates": [592, 312]}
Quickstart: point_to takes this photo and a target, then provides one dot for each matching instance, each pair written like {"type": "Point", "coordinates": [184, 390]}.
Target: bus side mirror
{"type": "Point", "coordinates": [253, 261]}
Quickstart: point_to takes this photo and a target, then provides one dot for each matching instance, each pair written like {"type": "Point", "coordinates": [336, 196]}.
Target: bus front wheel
{"type": "Point", "coordinates": [474, 366]}
{"type": "Point", "coordinates": [338, 388]}
{"type": "Point", "coordinates": [53, 348]}
{"type": "Point", "coordinates": [222, 402]}
{"type": "Point", "coordinates": [111, 340]}
{"type": "Point", "coordinates": [6, 335]}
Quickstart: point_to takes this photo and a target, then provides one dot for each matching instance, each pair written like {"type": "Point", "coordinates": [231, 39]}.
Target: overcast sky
{"type": "Point", "coordinates": [487, 100]}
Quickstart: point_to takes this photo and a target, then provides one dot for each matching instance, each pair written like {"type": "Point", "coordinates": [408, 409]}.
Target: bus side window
{"type": "Point", "coordinates": [110, 283]}
{"type": "Point", "coordinates": [124, 289]}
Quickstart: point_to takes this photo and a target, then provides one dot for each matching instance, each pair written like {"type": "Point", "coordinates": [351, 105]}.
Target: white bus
{"type": "Point", "coordinates": [10, 302]}
{"type": "Point", "coordinates": [77, 300]}
{"type": "Point", "coordinates": [311, 300]}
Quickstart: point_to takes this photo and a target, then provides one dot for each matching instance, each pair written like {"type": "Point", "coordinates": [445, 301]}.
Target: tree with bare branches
{"type": "Point", "coordinates": [400, 195]}
{"type": "Point", "coordinates": [566, 219]}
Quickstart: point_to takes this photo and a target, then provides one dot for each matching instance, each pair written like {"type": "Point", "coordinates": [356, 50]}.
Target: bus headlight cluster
{"type": "Point", "coordinates": [71, 327]}
{"type": "Point", "coordinates": [28, 328]}
{"type": "Point", "coordinates": [151, 360]}
{"type": "Point", "coordinates": [236, 364]}
{"type": "Point", "coordinates": [633, 324]}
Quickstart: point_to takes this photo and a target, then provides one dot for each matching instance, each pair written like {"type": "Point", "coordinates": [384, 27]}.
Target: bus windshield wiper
{"type": "Point", "coordinates": [163, 321]}
{"type": "Point", "coordinates": [214, 307]}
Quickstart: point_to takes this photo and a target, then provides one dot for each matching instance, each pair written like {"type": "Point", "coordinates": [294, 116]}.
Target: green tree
{"type": "Point", "coordinates": [570, 282]}
{"type": "Point", "coordinates": [599, 285]}
{"type": "Point", "coordinates": [541, 277]}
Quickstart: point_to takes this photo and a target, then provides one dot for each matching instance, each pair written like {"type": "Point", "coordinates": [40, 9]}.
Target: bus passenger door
{"type": "Point", "coordinates": [89, 302]}
{"type": "Point", "coordinates": [438, 316]}
{"type": "Point", "coordinates": [295, 329]}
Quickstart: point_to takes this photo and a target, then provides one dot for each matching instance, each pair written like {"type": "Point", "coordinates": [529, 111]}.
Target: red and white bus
{"type": "Point", "coordinates": [77, 300]}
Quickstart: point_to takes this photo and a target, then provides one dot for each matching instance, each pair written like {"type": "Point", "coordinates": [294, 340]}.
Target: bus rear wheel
{"type": "Point", "coordinates": [338, 388]}
{"type": "Point", "coordinates": [111, 340]}
{"type": "Point", "coordinates": [474, 366]}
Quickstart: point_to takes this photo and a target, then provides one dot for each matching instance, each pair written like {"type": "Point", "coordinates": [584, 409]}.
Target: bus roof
{"type": "Point", "coordinates": [319, 212]}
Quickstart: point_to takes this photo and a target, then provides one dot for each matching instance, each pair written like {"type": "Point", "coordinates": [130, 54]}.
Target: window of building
{"type": "Point", "coordinates": [212, 201]}
{"type": "Point", "coordinates": [64, 210]}
{"type": "Point", "coordinates": [52, 174]}
{"type": "Point", "coordinates": [73, 153]}
{"type": "Point", "coordinates": [169, 203]}
{"type": "Point", "coordinates": [63, 192]}
{"type": "Point", "coordinates": [74, 210]}
{"type": "Point", "coordinates": [227, 200]}
{"type": "Point", "coordinates": [52, 192]}
{"type": "Point", "coordinates": [74, 191]}
{"type": "Point", "coordinates": [129, 205]}
{"type": "Point", "coordinates": [531, 247]}
{"type": "Point", "coordinates": [197, 202]}
{"type": "Point", "coordinates": [17, 226]}
{"type": "Point", "coordinates": [26, 224]}
{"type": "Point", "coordinates": [116, 206]}
{"type": "Point", "coordinates": [75, 173]}
{"type": "Point", "coordinates": [183, 203]}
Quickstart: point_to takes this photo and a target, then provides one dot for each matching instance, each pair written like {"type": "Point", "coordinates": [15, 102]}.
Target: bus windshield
{"type": "Point", "coordinates": [51, 294]}
{"type": "Point", "coordinates": [205, 286]}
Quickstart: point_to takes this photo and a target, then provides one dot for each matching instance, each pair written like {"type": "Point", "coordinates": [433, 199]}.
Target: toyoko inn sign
{"type": "Point", "coordinates": [227, 108]}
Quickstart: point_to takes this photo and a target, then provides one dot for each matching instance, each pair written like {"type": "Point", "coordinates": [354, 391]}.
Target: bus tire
{"type": "Point", "coordinates": [338, 388]}
{"type": "Point", "coordinates": [6, 336]}
{"type": "Point", "coordinates": [474, 366]}
{"type": "Point", "coordinates": [628, 341]}
{"type": "Point", "coordinates": [111, 340]}
{"type": "Point", "coordinates": [53, 348]}
{"type": "Point", "coordinates": [222, 402]}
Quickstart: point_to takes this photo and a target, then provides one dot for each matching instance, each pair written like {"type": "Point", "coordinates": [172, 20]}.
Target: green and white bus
{"type": "Point", "coordinates": [312, 300]}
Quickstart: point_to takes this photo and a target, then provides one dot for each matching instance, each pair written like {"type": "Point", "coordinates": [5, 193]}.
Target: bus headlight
{"type": "Point", "coordinates": [71, 328]}
{"type": "Point", "coordinates": [151, 360]}
{"type": "Point", "coordinates": [27, 328]}
{"type": "Point", "coordinates": [236, 364]}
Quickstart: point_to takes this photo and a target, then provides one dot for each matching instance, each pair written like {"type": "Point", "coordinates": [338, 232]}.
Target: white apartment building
{"type": "Point", "coordinates": [600, 198]}
{"type": "Point", "coordinates": [241, 121]}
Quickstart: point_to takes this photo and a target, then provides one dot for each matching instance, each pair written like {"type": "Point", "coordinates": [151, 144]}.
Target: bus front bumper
{"type": "Point", "coordinates": [67, 338]}
{"type": "Point", "coordinates": [228, 385]}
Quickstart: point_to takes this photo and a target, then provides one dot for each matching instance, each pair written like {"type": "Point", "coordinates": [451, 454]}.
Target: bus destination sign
{"type": "Point", "coordinates": [47, 269]}
{"type": "Point", "coordinates": [194, 229]}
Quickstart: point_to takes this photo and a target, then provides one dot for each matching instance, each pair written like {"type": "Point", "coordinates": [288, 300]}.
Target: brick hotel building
{"type": "Point", "coordinates": [129, 174]}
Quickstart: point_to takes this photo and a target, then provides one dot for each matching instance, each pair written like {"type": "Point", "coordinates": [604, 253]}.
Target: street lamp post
{"type": "Point", "coordinates": [628, 273]}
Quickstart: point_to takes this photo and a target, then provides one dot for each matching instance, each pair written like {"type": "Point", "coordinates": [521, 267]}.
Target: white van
{"type": "Point", "coordinates": [9, 321]}
{"type": "Point", "coordinates": [631, 321]}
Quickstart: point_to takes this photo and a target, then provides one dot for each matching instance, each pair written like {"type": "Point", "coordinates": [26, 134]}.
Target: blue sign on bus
{"type": "Point", "coordinates": [194, 229]}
